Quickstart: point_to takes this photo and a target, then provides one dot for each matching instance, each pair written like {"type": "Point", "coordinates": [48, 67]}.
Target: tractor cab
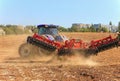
{"type": "Point", "coordinates": [51, 32]}
{"type": "Point", "coordinates": [48, 29]}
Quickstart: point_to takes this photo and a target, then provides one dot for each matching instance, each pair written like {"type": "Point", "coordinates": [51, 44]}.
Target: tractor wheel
{"type": "Point", "coordinates": [26, 50]}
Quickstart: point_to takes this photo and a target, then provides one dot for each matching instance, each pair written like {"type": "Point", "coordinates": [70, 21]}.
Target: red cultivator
{"type": "Point", "coordinates": [104, 44]}
{"type": "Point", "coordinates": [93, 47]}
{"type": "Point", "coordinates": [49, 39]}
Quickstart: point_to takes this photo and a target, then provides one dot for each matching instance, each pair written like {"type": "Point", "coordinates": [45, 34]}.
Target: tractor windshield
{"type": "Point", "coordinates": [50, 31]}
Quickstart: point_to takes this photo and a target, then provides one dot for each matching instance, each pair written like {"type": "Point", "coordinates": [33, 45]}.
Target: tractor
{"type": "Point", "coordinates": [48, 40]}
{"type": "Point", "coordinates": [45, 41]}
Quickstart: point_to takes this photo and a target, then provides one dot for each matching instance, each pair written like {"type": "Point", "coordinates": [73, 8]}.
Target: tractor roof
{"type": "Point", "coordinates": [47, 26]}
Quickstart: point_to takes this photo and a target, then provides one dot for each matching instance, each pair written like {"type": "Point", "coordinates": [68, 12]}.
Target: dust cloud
{"type": "Point", "coordinates": [54, 59]}
{"type": "Point", "coordinates": [76, 59]}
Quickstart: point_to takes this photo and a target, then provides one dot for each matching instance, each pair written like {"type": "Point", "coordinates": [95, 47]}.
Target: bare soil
{"type": "Point", "coordinates": [103, 67]}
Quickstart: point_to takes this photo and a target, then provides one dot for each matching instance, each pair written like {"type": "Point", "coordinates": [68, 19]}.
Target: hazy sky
{"type": "Point", "coordinates": [60, 12]}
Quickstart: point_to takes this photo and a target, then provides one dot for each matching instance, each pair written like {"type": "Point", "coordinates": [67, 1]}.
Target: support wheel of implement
{"type": "Point", "coordinates": [26, 50]}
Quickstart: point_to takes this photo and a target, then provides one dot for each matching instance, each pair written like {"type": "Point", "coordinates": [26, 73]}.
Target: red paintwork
{"type": "Point", "coordinates": [73, 44]}
{"type": "Point", "coordinates": [68, 44]}
{"type": "Point", "coordinates": [104, 41]}
{"type": "Point", "coordinates": [41, 38]}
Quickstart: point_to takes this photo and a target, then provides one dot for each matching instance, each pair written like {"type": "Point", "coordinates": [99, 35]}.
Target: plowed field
{"type": "Point", "coordinates": [103, 67]}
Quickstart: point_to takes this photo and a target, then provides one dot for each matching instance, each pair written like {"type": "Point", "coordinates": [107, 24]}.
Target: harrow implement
{"type": "Point", "coordinates": [103, 44]}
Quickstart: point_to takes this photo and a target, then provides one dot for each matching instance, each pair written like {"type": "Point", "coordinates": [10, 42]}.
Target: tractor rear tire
{"type": "Point", "coordinates": [26, 50]}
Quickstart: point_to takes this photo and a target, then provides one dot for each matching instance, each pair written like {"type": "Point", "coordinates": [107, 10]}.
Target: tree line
{"type": "Point", "coordinates": [88, 29]}
{"type": "Point", "coordinates": [18, 29]}
{"type": "Point", "coordinates": [83, 29]}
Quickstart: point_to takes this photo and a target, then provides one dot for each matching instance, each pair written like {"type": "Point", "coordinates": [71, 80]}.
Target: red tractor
{"type": "Point", "coordinates": [48, 39]}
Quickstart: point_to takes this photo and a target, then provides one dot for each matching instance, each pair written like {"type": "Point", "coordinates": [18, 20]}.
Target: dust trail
{"type": "Point", "coordinates": [81, 60]}
{"type": "Point", "coordinates": [34, 58]}
{"type": "Point", "coordinates": [76, 59]}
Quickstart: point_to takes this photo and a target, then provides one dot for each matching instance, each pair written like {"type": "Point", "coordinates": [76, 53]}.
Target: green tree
{"type": "Point", "coordinates": [99, 28]}
{"type": "Point", "coordinates": [69, 30]}
{"type": "Point", "coordinates": [75, 29]}
{"type": "Point", "coordinates": [13, 29]}
{"type": "Point", "coordinates": [1, 26]}
{"type": "Point", "coordinates": [30, 26]}
{"type": "Point", "coordinates": [8, 31]}
{"type": "Point", "coordinates": [33, 28]}
{"type": "Point", "coordinates": [119, 27]}
{"type": "Point", "coordinates": [92, 28]}
{"type": "Point", "coordinates": [104, 29]}
{"type": "Point", "coordinates": [110, 23]}
{"type": "Point", "coordinates": [62, 29]}
{"type": "Point", "coordinates": [18, 30]}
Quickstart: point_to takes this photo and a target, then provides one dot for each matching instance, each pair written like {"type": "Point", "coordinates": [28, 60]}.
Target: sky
{"type": "Point", "coordinates": [59, 12]}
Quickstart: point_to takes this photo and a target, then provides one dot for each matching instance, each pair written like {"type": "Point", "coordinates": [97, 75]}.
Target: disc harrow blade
{"type": "Point", "coordinates": [41, 44]}
{"type": "Point", "coordinates": [107, 46]}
